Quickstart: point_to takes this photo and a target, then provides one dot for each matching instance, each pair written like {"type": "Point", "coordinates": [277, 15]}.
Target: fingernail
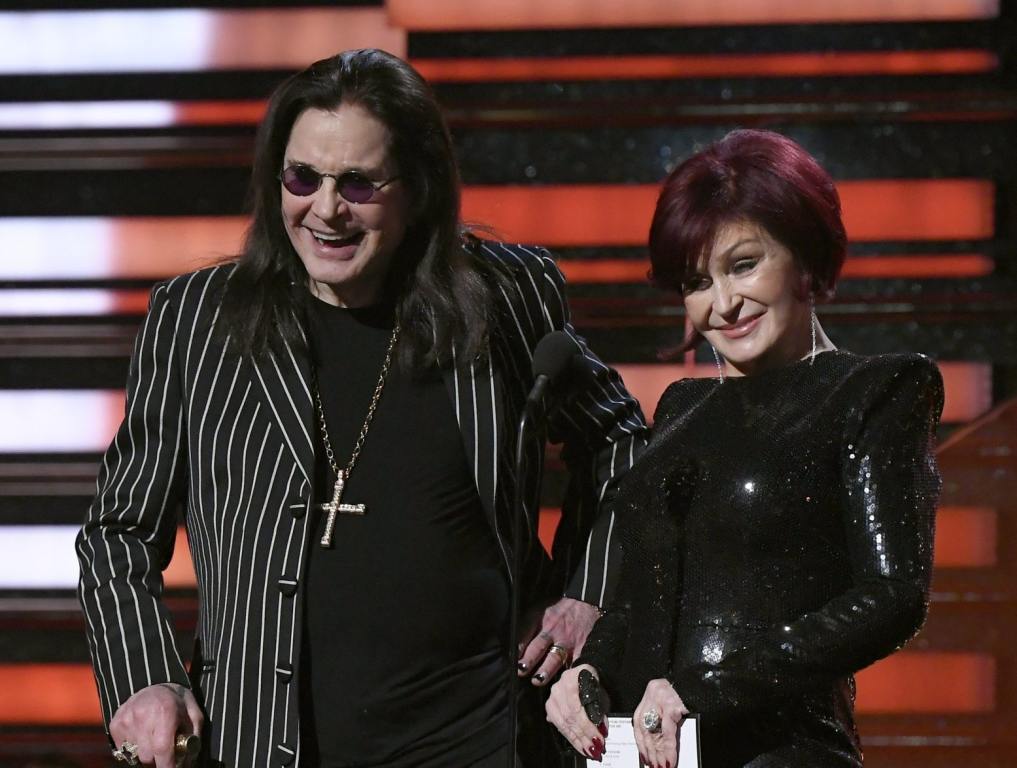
{"type": "Point", "coordinates": [522, 665]}
{"type": "Point", "coordinates": [540, 677]}
{"type": "Point", "coordinates": [598, 745]}
{"type": "Point", "coordinates": [602, 727]}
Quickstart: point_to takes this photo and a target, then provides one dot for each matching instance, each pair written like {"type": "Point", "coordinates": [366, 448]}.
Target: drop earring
{"type": "Point", "coordinates": [813, 322]}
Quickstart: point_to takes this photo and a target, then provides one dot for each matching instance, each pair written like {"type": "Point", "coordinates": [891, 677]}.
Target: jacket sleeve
{"type": "Point", "coordinates": [890, 487]}
{"type": "Point", "coordinates": [602, 431]}
{"type": "Point", "coordinates": [128, 535]}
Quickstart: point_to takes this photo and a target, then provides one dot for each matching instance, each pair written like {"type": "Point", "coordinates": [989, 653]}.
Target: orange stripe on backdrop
{"type": "Point", "coordinates": [966, 537]}
{"type": "Point", "coordinates": [832, 63]}
{"type": "Point", "coordinates": [218, 112]}
{"type": "Point", "coordinates": [928, 682]}
{"type": "Point", "coordinates": [912, 265]}
{"type": "Point", "coordinates": [591, 215]}
{"type": "Point", "coordinates": [573, 215]}
{"type": "Point", "coordinates": [48, 694]}
{"type": "Point", "coordinates": [65, 694]}
{"type": "Point", "coordinates": [75, 421]}
{"type": "Point", "coordinates": [180, 572]}
{"type": "Point", "coordinates": [511, 14]}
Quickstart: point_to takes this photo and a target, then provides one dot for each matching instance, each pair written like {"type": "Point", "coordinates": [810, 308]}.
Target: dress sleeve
{"type": "Point", "coordinates": [602, 431]}
{"type": "Point", "coordinates": [890, 487]}
{"type": "Point", "coordinates": [627, 653]}
{"type": "Point", "coordinates": [129, 532]}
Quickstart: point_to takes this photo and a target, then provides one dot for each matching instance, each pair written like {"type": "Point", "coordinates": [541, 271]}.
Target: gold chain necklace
{"type": "Point", "coordinates": [335, 506]}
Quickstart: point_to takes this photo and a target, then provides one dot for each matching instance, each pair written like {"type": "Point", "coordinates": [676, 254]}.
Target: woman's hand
{"type": "Point", "coordinates": [566, 713]}
{"type": "Point", "coordinates": [658, 747]}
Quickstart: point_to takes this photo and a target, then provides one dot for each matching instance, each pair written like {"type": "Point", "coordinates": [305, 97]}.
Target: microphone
{"type": "Point", "coordinates": [552, 358]}
{"type": "Point", "coordinates": [555, 354]}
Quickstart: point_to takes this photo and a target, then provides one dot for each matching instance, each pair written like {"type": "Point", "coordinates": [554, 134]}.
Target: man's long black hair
{"type": "Point", "coordinates": [442, 289]}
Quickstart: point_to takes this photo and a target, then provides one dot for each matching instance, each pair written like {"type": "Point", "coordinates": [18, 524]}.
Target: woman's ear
{"type": "Point", "coordinates": [806, 286]}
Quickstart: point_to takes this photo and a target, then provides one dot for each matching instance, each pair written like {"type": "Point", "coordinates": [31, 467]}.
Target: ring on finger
{"type": "Point", "coordinates": [128, 754]}
{"type": "Point", "coordinates": [651, 721]}
{"type": "Point", "coordinates": [562, 653]}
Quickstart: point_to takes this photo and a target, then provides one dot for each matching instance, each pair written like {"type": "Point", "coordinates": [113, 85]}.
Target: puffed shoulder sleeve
{"type": "Point", "coordinates": [890, 479]}
{"type": "Point", "coordinates": [890, 488]}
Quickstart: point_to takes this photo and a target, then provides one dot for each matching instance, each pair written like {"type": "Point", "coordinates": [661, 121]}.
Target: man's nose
{"type": "Point", "coordinates": [328, 204]}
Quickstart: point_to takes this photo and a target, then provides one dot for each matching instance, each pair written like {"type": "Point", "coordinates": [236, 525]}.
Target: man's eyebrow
{"type": "Point", "coordinates": [362, 170]}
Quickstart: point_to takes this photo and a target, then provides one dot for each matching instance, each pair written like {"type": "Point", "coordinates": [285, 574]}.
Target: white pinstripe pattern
{"type": "Point", "coordinates": [230, 439]}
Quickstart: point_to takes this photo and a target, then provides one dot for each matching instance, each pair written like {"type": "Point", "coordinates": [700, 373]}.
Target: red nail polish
{"type": "Point", "coordinates": [602, 728]}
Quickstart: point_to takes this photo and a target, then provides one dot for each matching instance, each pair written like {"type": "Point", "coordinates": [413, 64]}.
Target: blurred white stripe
{"type": "Point", "coordinates": [44, 421]}
{"type": "Point", "coordinates": [49, 302]}
{"type": "Point", "coordinates": [68, 115]}
{"type": "Point", "coordinates": [38, 557]}
{"type": "Point", "coordinates": [181, 40]}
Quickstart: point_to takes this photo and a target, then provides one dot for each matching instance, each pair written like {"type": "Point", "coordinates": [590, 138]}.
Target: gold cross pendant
{"type": "Point", "coordinates": [335, 507]}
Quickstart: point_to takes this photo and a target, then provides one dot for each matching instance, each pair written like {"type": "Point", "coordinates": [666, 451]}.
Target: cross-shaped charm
{"type": "Point", "coordinates": [335, 507]}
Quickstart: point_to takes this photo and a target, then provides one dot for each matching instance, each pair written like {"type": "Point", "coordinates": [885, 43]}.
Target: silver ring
{"type": "Point", "coordinates": [651, 721]}
{"type": "Point", "coordinates": [128, 753]}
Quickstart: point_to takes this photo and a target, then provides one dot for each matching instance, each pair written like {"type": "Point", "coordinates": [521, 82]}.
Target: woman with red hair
{"type": "Point", "coordinates": [777, 534]}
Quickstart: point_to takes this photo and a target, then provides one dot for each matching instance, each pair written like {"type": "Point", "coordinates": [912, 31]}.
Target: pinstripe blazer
{"type": "Point", "coordinates": [229, 439]}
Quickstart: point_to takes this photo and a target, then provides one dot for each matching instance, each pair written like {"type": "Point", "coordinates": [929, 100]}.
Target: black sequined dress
{"type": "Point", "coordinates": [777, 538]}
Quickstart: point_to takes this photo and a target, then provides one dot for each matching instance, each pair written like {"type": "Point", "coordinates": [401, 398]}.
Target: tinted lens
{"type": "Point", "coordinates": [301, 180]}
{"type": "Point", "coordinates": [355, 188]}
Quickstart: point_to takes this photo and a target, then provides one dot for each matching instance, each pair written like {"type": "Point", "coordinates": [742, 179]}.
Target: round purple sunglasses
{"type": "Point", "coordinates": [353, 186]}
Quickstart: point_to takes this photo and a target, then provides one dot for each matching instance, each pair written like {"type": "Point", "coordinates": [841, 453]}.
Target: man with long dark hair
{"type": "Point", "coordinates": [336, 412]}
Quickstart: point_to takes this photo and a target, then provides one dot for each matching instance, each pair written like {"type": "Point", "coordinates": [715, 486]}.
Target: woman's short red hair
{"type": "Point", "coordinates": [752, 176]}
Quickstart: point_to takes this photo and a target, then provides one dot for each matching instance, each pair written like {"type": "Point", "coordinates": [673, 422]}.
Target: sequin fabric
{"type": "Point", "coordinates": [776, 538]}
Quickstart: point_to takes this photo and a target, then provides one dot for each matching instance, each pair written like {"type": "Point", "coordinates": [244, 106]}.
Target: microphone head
{"type": "Point", "coordinates": [554, 354]}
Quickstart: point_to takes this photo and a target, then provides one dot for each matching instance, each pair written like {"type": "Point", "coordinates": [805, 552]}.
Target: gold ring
{"type": "Point", "coordinates": [562, 653]}
{"type": "Point", "coordinates": [187, 746]}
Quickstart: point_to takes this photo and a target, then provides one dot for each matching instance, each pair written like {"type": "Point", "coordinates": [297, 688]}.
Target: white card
{"type": "Point", "coordinates": [620, 750]}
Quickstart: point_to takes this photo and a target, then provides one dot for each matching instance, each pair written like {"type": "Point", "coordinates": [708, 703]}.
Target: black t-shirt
{"type": "Point", "coordinates": [403, 661]}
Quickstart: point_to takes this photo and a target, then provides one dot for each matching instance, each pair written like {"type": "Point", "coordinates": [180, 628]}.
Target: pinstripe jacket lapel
{"type": "Point", "coordinates": [474, 389]}
{"type": "Point", "coordinates": [284, 378]}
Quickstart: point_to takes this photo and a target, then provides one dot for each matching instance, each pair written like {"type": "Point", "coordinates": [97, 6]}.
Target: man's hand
{"type": "Point", "coordinates": [151, 720]}
{"type": "Point", "coordinates": [564, 627]}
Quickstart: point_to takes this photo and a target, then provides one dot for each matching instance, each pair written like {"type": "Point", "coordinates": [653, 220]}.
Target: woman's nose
{"type": "Point", "coordinates": [725, 299]}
